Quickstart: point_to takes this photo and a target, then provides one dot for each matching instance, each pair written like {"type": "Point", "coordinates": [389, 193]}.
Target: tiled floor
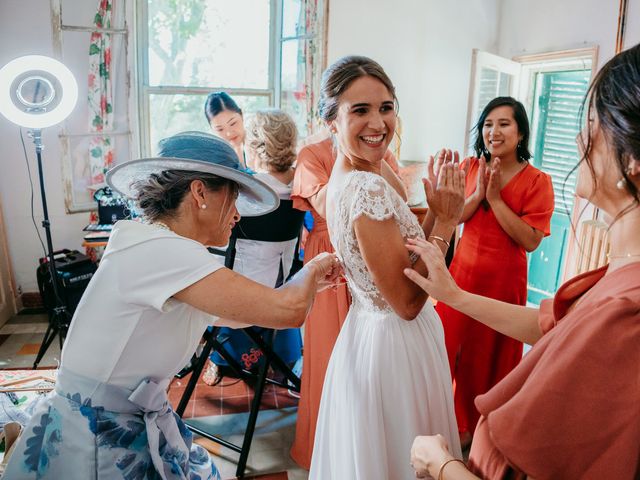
{"type": "Point", "coordinates": [20, 340]}
{"type": "Point", "coordinates": [221, 409]}
{"type": "Point", "coordinates": [230, 396]}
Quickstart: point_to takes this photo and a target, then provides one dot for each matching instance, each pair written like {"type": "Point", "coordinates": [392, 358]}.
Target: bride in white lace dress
{"type": "Point", "coordinates": [388, 379]}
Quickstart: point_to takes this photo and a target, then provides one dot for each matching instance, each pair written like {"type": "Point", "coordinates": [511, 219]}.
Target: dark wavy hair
{"type": "Point", "coordinates": [218, 102]}
{"type": "Point", "coordinates": [614, 95]}
{"type": "Point", "coordinates": [519, 114]}
{"type": "Point", "coordinates": [161, 194]}
{"type": "Point", "coordinates": [340, 75]}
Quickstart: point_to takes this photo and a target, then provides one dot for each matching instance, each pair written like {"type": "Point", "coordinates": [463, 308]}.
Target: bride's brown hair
{"type": "Point", "coordinates": [342, 73]}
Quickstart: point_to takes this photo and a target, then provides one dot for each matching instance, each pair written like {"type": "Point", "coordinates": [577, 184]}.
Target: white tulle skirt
{"type": "Point", "coordinates": [388, 381]}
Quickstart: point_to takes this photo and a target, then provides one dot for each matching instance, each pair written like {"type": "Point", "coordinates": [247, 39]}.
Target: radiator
{"type": "Point", "coordinates": [593, 245]}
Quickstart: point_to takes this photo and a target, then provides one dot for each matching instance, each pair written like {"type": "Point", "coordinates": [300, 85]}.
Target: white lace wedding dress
{"type": "Point", "coordinates": [388, 379]}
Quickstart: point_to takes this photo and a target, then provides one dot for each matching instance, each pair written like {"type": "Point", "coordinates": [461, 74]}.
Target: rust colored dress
{"type": "Point", "coordinates": [571, 408]}
{"type": "Point", "coordinates": [322, 326]}
{"type": "Point", "coordinates": [489, 263]}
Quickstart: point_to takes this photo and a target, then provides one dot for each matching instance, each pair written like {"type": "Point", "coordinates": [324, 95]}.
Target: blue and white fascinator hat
{"type": "Point", "coordinates": [200, 152]}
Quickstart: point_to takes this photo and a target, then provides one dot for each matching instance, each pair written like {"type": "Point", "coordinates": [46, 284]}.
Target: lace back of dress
{"type": "Point", "coordinates": [366, 194]}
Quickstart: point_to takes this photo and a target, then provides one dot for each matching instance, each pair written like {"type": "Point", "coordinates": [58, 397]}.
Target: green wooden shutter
{"type": "Point", "coordinates": [555, 151]}
{"type": "Point", "coordinates": [557, 122]}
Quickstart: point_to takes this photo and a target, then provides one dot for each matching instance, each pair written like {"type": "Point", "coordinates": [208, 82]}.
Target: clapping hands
{"type": "Point", "coordinates": [444, 186]}
{"type": "Point", "coordinates": [493, 181]}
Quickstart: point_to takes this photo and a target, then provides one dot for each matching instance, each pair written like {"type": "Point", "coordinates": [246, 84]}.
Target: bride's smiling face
{"type": "Point", "coordinates": [366, 119]}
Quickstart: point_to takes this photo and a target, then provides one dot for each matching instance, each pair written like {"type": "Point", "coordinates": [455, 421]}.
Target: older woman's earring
{"type": "Point", "coordinates": [203, 206]}
{"type": "Point", "coordinates": [622, 184]}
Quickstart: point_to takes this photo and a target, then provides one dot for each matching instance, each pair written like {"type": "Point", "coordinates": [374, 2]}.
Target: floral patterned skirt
{"type": "Point", "coordinates": [90, 430]}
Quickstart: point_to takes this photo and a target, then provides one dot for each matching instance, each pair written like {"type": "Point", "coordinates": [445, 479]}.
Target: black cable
{"type": "Point", "coordinates": [33, 217]}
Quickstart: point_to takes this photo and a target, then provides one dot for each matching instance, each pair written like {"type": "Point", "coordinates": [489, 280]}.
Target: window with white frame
{"type": "Point", "coordinates": [255, 50]}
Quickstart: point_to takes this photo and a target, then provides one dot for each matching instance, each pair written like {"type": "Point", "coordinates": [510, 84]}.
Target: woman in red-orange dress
{"type": "Point", "coordinates": [507, 213]}
{"type": "Point", "coordinates": [321, 329]}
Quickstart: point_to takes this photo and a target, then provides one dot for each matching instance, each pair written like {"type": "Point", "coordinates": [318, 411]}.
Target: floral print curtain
{"type": "Point", "coordinates": [100, 97]}
{"type": "Point", "coordinates": [100, 103]}
{"type": "Point", "coordinates": [314, 57]}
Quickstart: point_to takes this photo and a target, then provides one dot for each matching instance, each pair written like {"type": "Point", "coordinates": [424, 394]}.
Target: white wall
{"type": "Point", "coordinates": [550, 25]}
{"type": "Point", "coordinates": [425, 47]}
{"type": "Point", "coordinates": [25, 28]}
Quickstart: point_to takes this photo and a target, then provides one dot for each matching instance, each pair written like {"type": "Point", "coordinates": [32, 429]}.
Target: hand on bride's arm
{"type": "Point", "coordinates": [438, 284]}
{"type": "Point", "coordinates": [327, 270]}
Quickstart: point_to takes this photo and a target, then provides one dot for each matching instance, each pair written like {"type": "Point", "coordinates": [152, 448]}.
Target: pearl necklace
{"type": "Point", "coordinates": [161, 225]}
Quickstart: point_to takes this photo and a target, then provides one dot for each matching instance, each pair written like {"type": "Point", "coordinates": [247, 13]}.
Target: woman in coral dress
{"type": "Point", "coordinates": [507, 213]}
{"type": "Point", "coordinates": [314, 165]}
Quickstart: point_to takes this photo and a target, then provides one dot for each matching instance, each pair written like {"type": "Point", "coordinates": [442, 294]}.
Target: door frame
{"type": "Point", "coordinates": [8, 306]}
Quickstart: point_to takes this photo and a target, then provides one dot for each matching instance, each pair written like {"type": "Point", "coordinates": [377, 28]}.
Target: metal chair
{"type": "Point", "coordinates": [285, 223]}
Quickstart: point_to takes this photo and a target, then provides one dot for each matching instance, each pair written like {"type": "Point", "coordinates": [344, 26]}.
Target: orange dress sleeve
{"type": "Point", "coordinates": [472, 175]}
{"type": "Point", "coordinates": [553, 310]}
{"type": "Point", "coordinates": [546, 318]}
{"type": "Point", "coordinates": [311, 173]}
{"type": "Point", "coordinates": [539, 203]}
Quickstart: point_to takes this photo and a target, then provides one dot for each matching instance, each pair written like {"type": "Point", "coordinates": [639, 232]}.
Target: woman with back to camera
{"type": "Point", "coordinates": [571, 408]}
{"type": "Point", "coordinates": [227, 122]}
{"type": "Point", "coordinates": [507, 213]}
{"type": "Point", "coordinates": [313, 169]}
{"type": "Point", "coordinates": [388, 375]}
{"type": "Point", "coordinates": [139, 321]}
{"type": "Point", "coordinates": [271, 137]}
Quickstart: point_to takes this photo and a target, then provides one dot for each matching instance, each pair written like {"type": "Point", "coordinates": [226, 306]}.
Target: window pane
{"type": "Point", "coordinates": [293, 18]}
{"type": "Point", "coordinates": [293, 83]}
{"type": "Point", "coordinates": [171, 114]}
{"type": "Point", "coordinates": [223, 43]}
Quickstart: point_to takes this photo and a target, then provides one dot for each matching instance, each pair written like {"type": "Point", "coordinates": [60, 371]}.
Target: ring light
{"type": "Point", "coordinates": [37, 91]}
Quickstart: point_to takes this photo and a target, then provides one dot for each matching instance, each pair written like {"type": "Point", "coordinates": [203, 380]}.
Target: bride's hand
{"type": "Point", "coordinates": [446, 197]}
{"type": "Point", "coordinates": [434, 164]}
{"type": "Point", "coordinates": [438, 284]}
{"type": "Point", "coordinates": [327, 270]}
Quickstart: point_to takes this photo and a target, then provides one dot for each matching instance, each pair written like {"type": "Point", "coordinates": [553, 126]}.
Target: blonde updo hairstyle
{"type": "Point", "coordinates": [272, 137]}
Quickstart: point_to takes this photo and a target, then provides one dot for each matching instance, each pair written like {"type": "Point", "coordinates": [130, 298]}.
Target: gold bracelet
{"type": "Point", "coordinates": [435, 237]}
{"type": "Point", "coordinates": [441, 471]}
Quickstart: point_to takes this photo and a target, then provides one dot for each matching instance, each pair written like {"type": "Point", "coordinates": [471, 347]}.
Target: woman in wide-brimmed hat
{"type": "Point", "coordinates": [143, 313]}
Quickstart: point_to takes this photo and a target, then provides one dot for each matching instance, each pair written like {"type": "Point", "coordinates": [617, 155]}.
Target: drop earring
{"type": "Point", "coordinates": [203, 206]}
{"type": "Point", "coordinates": [621, 185]}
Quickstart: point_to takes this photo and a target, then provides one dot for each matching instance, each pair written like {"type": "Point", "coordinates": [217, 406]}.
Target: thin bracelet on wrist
{"type": "Point", "coordinates": [436, 237]}
{"type": "Point", "coordinates": [441, 471]}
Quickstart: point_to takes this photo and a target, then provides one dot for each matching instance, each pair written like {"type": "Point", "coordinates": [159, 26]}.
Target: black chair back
{"type": "Point", "coordinates": [284, 223]}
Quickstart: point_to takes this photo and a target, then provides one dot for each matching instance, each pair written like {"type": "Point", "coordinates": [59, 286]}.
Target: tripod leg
{"type": "Point", "coordinates": [46, 341]}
